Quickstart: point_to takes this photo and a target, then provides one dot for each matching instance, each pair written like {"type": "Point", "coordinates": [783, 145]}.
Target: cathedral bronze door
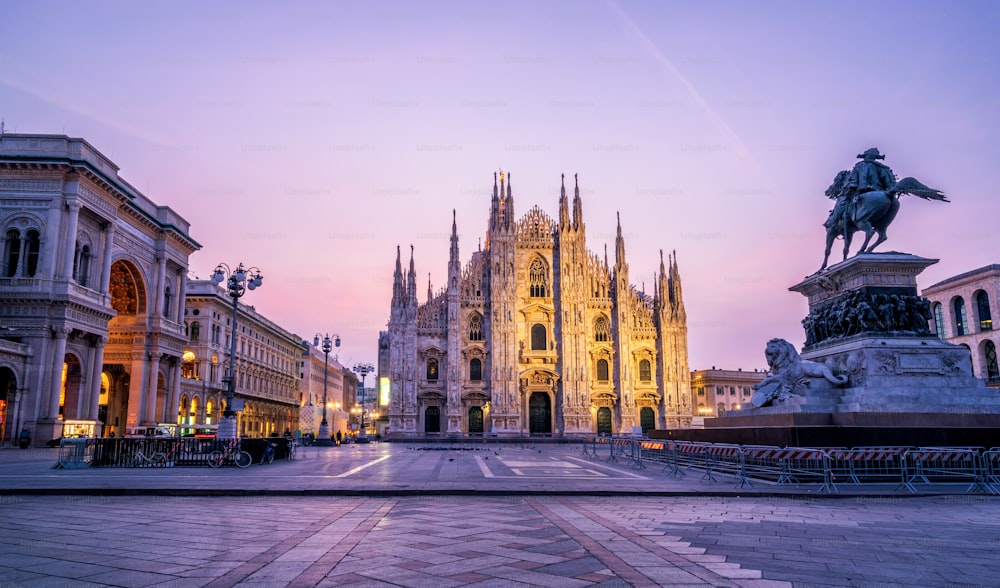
{"type": "Point", "coordinates": [647, 419]}
{"type": "Point", "coordinates": [540, 414]}
{"type": "Point", "coordinates": [604, 421]}
{"type": "Point", "coordinates": [476, 420]}
{"type": "Point", "coordinates": [432, 420]}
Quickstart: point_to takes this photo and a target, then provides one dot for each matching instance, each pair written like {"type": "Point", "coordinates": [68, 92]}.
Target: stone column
{"type": "Point", "coordinates": [97, 367]}
{"type": "Point", "coordinates": [136, 393]}
{"type": "Point", "coordinates": [181, 295]}
{"type": "Point", "coordinates": [74, 218]}
{"type": "Point", "coordinates": [149, 413]}
{"type": "Point", "coordinates": [48, 264]}
{"type": "Point", "coordinates": [161, 269]}
{"type": "Point", "coordinates": [109, 240]}
{"type": "Point", "coordinates": [58, 358]}
{"type": "Point", "coordinates": [174, 393]}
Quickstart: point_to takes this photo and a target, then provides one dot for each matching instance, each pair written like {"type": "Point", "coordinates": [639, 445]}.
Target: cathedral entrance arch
{"type": "Point", "coordinates": [475, 420]}
{"type": "Point", "coordinates": [540, 414]}
{"type": "Point", "coordinates": [647, 419]}
{"type": "Point", "coordinates": [432, 419]}
{"type": "Point", "coordinates": [604, 421]}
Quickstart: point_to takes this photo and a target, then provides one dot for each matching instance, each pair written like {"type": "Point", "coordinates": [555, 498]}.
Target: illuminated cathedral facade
{"type": "Point", "coordinates": [537, 336]}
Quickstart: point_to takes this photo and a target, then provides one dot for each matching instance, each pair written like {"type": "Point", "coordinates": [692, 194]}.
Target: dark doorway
{"type": "Point", "coordinates": [476, 420]}
{"type": "Point", "coordinates": [540, 414]}
{"type": "Point", "coordinates": [432, 420]}
{"type": "Point", "coordinates": [604, 421]}
{"type": "Point", "coordinates": [8, 386]}
{"type": "Point", "coordinates": [647, 419]}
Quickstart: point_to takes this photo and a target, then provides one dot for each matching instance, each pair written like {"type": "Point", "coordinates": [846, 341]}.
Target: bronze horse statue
{"type": "Point", "coordinates": [870, 212]}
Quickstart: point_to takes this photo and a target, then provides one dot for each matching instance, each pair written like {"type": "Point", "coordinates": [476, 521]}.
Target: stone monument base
{"type": "Point", "coordinates": [859, 429]}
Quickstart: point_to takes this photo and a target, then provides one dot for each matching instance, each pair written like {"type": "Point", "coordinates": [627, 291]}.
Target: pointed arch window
{"type": "Point", "coordinates": [476, 328]}
{"type": "Point", "coordinates": [602, 370]}
{"type": "Point", "coordinates": [537, 280]}
{"type": "Point", "coordinates": [961, 323]}
{"type": "Point", "coordinates": [645, 373]}
{"type": "Point", "coordinates": [476, 370]}
{"type": "Point", "coordinates": [432, 370]}
{"type": "Point", "coordinates": [538, 338]}
{"type": "Point", "coordinates": [983, 307]}
{"type": "Point", "coordinates": [602, 330]}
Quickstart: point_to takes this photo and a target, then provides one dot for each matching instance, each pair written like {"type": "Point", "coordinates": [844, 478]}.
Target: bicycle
{"type": "Point", "coordinates": [231, 453]}
{"type": "Point", "coordinates": [156, 459]}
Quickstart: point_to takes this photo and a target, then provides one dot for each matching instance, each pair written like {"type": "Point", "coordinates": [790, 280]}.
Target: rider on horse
{"type": "Point", "coordinates": [868, 175]}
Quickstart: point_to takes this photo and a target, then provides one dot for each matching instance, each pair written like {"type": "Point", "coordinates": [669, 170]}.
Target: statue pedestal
{"type": "Point", "coordinates": [904, 386]}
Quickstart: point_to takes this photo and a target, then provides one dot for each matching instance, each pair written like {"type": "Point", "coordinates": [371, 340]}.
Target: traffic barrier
{"type": "Point", "coordinates": [75, 453]}
{"type": "Point", "coordinates": [943, 465]}
{"type": "Point", "coordinates": [991, 469]}
{"type": "Point", "coordinates": [727, 459]}
{"type": "Point", "coordinates": [792, 465]}
{"type": "Point", "coordinates": [873, 464]}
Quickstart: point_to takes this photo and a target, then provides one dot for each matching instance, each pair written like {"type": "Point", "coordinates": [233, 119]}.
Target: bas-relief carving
{"type": "Point", "coordinates": [859, 312]}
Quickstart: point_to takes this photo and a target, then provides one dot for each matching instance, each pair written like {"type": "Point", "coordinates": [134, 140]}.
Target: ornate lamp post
{"type": "Point", "coordinates": [363, 369]}
{"type": "Point", "coordinates": [324, 428]}
{"type": "Point", "coordinates": [238, 281]}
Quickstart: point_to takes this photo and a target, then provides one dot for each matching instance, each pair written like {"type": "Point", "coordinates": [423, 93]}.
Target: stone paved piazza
{"type": "Point", "coordinates": [159, 528]}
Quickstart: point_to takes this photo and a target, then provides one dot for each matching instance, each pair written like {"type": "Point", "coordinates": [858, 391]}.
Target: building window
{"type": "Point", "coordinates": [476, 328]}
{"type": "Point", "coordinates": [432, 370]}
{"type": "Point", "coordinates": [701, 392]}
{"type": "Point", "coordinates": [195, 331]}
{"type": "Point", "coordinates": [602, 370]}
{"type": "Point", "coordinates": [961, 325]}
{"type": "Point", "coordinates": [536, 279]}
{"type": "Point", "coordinates": [983, 306]}
{"type": "Point", "coordinates": [939, 321]}
{"type": "Point", "coordinates": [12, 252]}
{"type": "Point", "coordinates": [602, 330]}
{"type": "Point", "coordinates": [476, 370]}
{"type": "Point", "coordinates": [538, 338]}
{"type": "Point", "coordinates": [992, 370]}
{"type": "Point", "coordinates": [645, 373]}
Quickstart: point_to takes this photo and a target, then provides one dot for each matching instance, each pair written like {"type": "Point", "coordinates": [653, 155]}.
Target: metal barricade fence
{"type": "Point", "coordinates": [152, 452]}
{"type": "Point", "coordinates": [871, 464]}
{"type": "Point", "coordinates": [991, 470]}
{"type": "Point", "coordinates": [943, 465]}
{"type": "Point", "coordinates": [725, 459]}
{"type": "Point", "coordinates": [75, 453]}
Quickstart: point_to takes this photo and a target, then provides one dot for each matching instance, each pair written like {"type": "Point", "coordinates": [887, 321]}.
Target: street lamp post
{"type": "Point", "coordinates": [238, 281]}
{"type": "Point", "coordinates": [328, 344]}
{"type": "Point", "coordinates": [363, 369]}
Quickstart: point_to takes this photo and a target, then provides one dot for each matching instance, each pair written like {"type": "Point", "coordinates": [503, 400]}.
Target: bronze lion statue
{"type": "Point", "coordinates": [790, 374]}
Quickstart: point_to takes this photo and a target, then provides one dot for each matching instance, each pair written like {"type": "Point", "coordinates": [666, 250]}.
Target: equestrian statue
{"type": "Point", "coordinates": [868, 200]}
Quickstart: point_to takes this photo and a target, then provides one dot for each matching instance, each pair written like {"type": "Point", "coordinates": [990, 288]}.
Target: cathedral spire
{"type": "Point", "coordinates": [397, 281]}
{"type": "Point", "coordinates": [411, 282]}
{"type": "Point", "coordinates": [676, 297]}
{"type": "Point", "coordinates": [577, 205]}
{"type": "Point", "coordinates": [510, 205]}
{"type": "Point", "coordinates": [453, 255]}
{"type": "Point", "coordinates": [430, 290]}
{"type": "Point", "coordinates": [619, 244]}
{"type": "Point", "coordinates": [563, 205]}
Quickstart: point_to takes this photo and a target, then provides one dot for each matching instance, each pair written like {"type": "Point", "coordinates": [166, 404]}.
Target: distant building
{"type": "Point", "coordinates": [267, 364]}
{"type": "Point", "coordinates": [312, 366]}
{"type": "Point", "coordinates": [963, 307]}
{"type": "Point", "coordinates": [716, 391]}
{"type": "Point", "coordinates": [537, 335]}
{"type": "Point", "coordinates": [92, 283]}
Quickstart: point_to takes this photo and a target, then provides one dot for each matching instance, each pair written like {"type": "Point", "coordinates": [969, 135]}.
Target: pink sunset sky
{"type": "Point", "coordinates": [310, 138]}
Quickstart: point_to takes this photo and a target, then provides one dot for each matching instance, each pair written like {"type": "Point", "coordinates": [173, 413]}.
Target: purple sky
{"type": "Point", "coordinates": [309, 139]}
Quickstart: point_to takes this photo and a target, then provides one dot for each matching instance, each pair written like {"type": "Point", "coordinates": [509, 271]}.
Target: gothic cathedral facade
{"type": "Point", "coordinates": [536, 335]}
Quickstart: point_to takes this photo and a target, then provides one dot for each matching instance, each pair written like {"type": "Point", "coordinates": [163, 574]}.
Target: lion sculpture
{"type": "Point", "coordinates": [790, 374]}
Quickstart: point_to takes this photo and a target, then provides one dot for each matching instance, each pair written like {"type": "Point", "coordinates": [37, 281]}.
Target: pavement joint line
{"type": "Point", "coordinates": [353, 471]}
{"type": "Point", "coordinates": [615, 470]}
{"type": "Point", "coordinates": [327, 562]}
{"type": "Point", "coordinates": [483, 467]}
{"type": "Point", "coordinates": [680, 560]}
{"type": "Point", "coordinates": [594, 547]}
